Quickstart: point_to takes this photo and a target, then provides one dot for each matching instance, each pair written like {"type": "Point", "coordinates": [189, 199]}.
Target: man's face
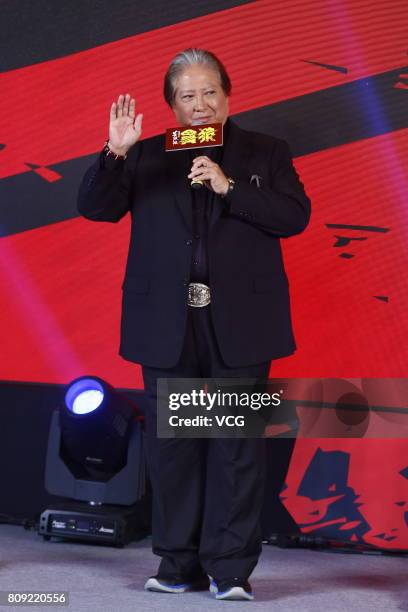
{"type": "Point", "coordinates": [199, 97]}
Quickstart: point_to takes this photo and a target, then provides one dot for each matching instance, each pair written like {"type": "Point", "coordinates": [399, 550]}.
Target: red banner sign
{"type": "Point", "coordinates": [192, 136]}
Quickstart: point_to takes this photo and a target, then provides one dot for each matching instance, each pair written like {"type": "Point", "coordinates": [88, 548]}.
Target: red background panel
{"type": "Point", "coordinates": [373, 496]}
{"type": "Point", "coordinates": [59, 109]}
{"type": "Point", "coordinates": [60, 300]}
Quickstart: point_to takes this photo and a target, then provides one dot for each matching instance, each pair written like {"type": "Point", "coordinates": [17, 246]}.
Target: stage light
{"type": "Point", "coordinates": [96, 460]}
{"type": "Point", "coordinates": [95, 456]}
{"type": "Point", "coordinates": [84, 396]}
{"type": "Point", "coordinates": [95, 423]}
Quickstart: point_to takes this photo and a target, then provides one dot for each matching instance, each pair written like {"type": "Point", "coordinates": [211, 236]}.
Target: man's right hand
{"type": "Point", "coordinates": [124, 129]}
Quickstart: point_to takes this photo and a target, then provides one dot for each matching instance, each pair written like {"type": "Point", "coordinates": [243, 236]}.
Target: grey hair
{"type": "Point", "coordinates": [190, 57]}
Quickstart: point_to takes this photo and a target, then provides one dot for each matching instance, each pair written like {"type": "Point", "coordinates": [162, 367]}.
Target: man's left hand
{"type": "Point", "coordinates": [208, 171]}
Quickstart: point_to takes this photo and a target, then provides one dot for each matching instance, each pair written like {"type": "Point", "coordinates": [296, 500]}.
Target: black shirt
{"type": "Point", "coordinates": [203, 201]}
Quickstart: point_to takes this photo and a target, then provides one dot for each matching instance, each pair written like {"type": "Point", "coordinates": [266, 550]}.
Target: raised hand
{"type": "Point", "coordinates": [124, 128]}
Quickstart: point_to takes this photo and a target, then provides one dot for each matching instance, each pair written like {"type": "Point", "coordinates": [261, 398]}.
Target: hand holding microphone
{"type": "Point", "coordinates": [204, 163]}
{"type": "Point", "coordinates": [204, 170]}
{"type": "Point", "coordinates": [209, 174]}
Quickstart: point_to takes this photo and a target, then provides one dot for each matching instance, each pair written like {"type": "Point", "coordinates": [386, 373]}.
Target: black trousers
{"type": "Point", "coordinates": [207, 492]}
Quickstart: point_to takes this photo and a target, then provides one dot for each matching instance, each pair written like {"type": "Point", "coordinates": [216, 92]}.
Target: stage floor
{"type": "Point", "coordinates": [111, 580]}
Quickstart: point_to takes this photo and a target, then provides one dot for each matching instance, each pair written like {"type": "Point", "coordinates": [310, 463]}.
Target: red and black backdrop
{"type": "Point", "coordinates": [330, 77]}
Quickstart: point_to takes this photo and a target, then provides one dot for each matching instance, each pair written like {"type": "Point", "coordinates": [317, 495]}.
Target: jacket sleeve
{"type": "Point", "coordinates": [280, 205]}
{"type": "Point", "coordinates": [105, 193]}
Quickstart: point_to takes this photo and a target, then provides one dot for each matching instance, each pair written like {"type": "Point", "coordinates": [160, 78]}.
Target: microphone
{"type": "Point", "coordinates": [198, 135]}
{"type": "Point", "coordinates": [195, 182]}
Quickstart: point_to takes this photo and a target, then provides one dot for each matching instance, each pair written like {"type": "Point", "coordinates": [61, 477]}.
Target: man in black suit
{"type": "Point", "coordinates": [205, 294]}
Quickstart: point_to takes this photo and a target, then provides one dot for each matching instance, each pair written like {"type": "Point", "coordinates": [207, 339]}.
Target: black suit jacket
{"type": "Point", "coordinates": [249, 288]}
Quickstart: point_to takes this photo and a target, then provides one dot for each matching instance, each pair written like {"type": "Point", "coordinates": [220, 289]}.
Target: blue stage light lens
{"type": "Point", "coordinates": [87, 401]}
{"type": "Point", "coordinates": [84, 396]}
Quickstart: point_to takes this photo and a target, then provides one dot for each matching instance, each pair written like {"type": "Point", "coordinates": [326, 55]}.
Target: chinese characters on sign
{"type": "Point", "coordinates": [207, 135]}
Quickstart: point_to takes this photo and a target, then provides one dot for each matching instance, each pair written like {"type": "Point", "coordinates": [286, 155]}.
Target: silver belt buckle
{"type": "Point", "coordinates": [198, 295]}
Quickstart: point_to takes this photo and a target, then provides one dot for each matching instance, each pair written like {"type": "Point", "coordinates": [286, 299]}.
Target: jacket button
{"type": "Point", "coordinates": [189, 242]}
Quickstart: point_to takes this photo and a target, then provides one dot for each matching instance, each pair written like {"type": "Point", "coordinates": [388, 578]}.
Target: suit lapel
{"type": "Point", "coordinates": [177, 168]}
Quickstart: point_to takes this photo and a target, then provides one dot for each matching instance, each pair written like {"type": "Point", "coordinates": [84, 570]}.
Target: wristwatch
{"type": "Point", "coordinates": [108, 151]}
{"type": "Point", "coordinates": [231, 184]}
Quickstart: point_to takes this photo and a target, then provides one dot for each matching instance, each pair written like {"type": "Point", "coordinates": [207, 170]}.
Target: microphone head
{"type": "Point", "coordinates": [196, 183]}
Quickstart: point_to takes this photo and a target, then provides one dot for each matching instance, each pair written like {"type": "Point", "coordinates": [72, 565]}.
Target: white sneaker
{"type": "Point", "coordinates": [235, 589]}
{"type": "Point", "coordinates": [165, 586]}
